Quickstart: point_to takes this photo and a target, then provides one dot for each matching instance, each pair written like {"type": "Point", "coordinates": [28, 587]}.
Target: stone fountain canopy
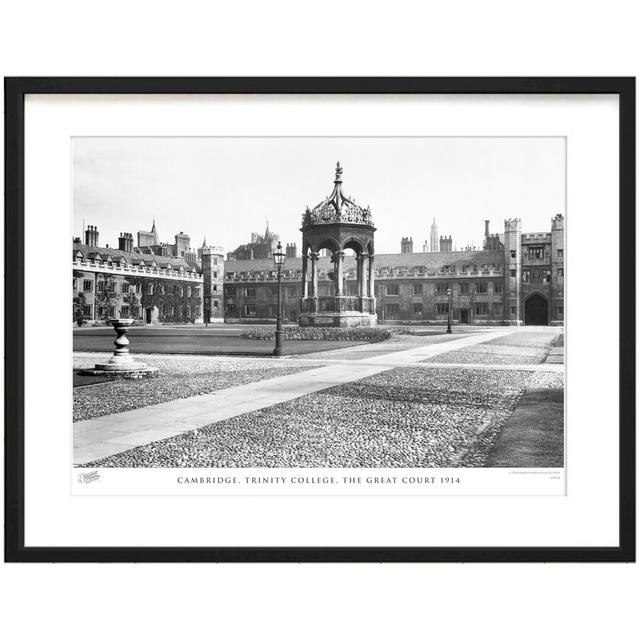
{"type": "Point", "coordinates": [337, 224]}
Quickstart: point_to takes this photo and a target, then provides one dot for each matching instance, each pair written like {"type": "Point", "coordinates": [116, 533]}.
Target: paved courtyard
{"type": "Point", "coordinates": [482, 397]}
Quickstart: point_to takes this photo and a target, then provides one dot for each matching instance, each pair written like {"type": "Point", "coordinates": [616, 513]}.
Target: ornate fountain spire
{"type": "Point", "coordinates": [337, 207]}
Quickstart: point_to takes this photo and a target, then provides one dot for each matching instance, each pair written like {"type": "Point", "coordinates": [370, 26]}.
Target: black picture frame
{"type": "Point", "coordinates": [15, 91]}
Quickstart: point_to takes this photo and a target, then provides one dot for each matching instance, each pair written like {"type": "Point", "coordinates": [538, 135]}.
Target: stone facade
{"type": "Point", "coordinates": [492, 286]}
{"type": "Point", "coordinates": [173, 285]}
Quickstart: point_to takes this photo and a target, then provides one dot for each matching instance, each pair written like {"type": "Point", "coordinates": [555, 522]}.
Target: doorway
{"type": "Point", "coordinates": [148, 315]}
{"type": "Point", "coordinates": [464, 316]}
{"type": "Point", "coordinates": [536, 310]}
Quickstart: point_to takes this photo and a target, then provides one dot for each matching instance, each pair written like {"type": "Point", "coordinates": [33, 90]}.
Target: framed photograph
{"type": "Point", "coordinates": [320, 319]}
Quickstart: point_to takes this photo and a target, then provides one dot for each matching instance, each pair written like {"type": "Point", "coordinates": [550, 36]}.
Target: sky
{"type": "Point", "coordinates": [226, 188]}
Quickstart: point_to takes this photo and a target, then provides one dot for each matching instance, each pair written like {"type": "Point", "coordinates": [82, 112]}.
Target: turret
{"type": "Point", "coordinates": [435, 238]}
{"type": "Point", "coordinates": [183, 244]}
{"type": "Point", "coordinates": [213, 278]}
{"type": "Point", "coordinates": [557, 270]}
{"type": "Point", "coordinates": [512, 271]}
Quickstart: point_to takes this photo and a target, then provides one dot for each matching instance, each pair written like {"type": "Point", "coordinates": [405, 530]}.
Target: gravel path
{"type": "Point", "coordinates": [397, 343]}
{"type": "Point", "coordinates": [516, 348]}
{"type": "Point", "coordinates": [405, 417]}
{"type": "Point", "coordinates": [179, 377]}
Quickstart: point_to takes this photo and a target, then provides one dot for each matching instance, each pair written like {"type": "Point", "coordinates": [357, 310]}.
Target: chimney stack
{"type": "Point", "coordinates": [91, 236]}
{"type": "Point", "coordinates": [125, 242]}
{"type": "Point", "coordinates": [291, 250]}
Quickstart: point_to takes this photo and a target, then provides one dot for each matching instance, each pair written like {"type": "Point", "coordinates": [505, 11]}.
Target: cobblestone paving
{"type": "Point", "coordinates": [405, 417]}
{"type": "Point", "coordinates": [179, 377]}
{"type": "Point", "coordinates": [517, 348]}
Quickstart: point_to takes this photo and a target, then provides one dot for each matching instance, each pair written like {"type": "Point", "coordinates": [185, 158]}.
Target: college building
{"type": "Point", "coordinates": [337, 279]}
{"type": "Point", "coordinates": [151, 282]}
{"type": "Point", "coordinates": [514, 278]}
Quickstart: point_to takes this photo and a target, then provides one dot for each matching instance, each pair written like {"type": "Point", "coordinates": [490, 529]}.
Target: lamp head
{"type": "Point", "coordinates": [278, 256]}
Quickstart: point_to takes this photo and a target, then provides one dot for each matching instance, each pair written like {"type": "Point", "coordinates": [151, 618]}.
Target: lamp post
{"type": "Point", "coordinates": [278, 260]}
{"type": "Point", "coordinates": [449, 293]}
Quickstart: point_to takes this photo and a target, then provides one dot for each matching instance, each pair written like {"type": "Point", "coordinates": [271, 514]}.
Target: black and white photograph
{"type": "Point", "coordinates": [319, 302]}
{"type": "Point", "coordinates": [316, 320]}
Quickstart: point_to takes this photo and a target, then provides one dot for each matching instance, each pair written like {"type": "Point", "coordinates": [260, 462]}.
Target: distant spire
{"type": "Point", "coordinates": [267, 233]}
{"type": "Point", "coordinates": [204, 241]}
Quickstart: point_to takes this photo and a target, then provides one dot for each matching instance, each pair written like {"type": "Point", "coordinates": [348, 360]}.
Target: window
{"type": "Point", "coordinates": [497, 308]}
{"type": "Point", "coordinates": [560, 273]}
{"type": "Point", "coordinates": [441, 288]}
{"type": "Point", "coordinates": [391, 309]}
{"type": "Point", "coordinates": [464, 288]}
{"type": "Point", "coordinates": [215, 304]}
{"type": "Point", "coordinates": [293, 316]}
{"type": "Point", "coordinates": [273, 310]}
{"type": "Point", "coordinates": [87, 285]}
{"type": "Point", "coordinates": [393, 290]}
{"type": "Point", "coordinates": [560, 253]}
{"type": "Point", "coordinates": [560, 309]}
{"type": "Point", "coordinates": [526, 276]}
{"type": "Point", "coordinates": [125, 287]}
{"type": "Point", "coordinates": [513, 311]}
{"type": "Point", "coordinates": [215, 287]}
{"type": "Point", "coordinates": [250, 292]}
{"type": "Point", "coordinates": [442, 308]}
{"type": "Point", "coordinates": [86, 311]}
{"type": "Point", "coordinates": [481, 287]}
{"type": "Point", "coordinates": [497, 287]}
{"type": "Point", "coordinates": [482, 309]}
{"type": "Point", "coordinates": [546, 277]}
{"type": "Point", "coordinates": [293, 291]}
{"type": "Point", "coordinates": [215, 274]}
{"type": "Point", "coordinates": [187, 311]}
{"type": "Point", "coordinates": [150, 289]}
{"type": "Point", "coordinates": [535, 276]}
{"type": "Point", "coordinates": [231, 291]}
{"type": "Point", "coordinates": [124, 311]}
{"type": "Point", "coordinates": [417, 289]}
{"type": "Point", "coordinates": [100, 311]}
{"type": "Point", "coordinates": [74, 283]}
{"type": "Point", "coordinates": [536, 253]}
{"type": "Point", "coordinates": [230, 309]}
{"type": "Point", "coordinates": [138, 288]}
{"type": "Point", "coordinates": [418, 309]}
{"type": "Point", "coordinates": [513, 253]}
{"type": "Point", "coordinates": [250, 309]}
{"type": "Point", "coordinates": [188, 291]}
{"type": "Point", "coordinates": [512, 273]}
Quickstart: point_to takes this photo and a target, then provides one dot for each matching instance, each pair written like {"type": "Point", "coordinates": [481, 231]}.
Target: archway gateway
{"type": "Point", "coordinates": [536, 310]}
{"type": "Point", "coordinates": [338, 224]}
